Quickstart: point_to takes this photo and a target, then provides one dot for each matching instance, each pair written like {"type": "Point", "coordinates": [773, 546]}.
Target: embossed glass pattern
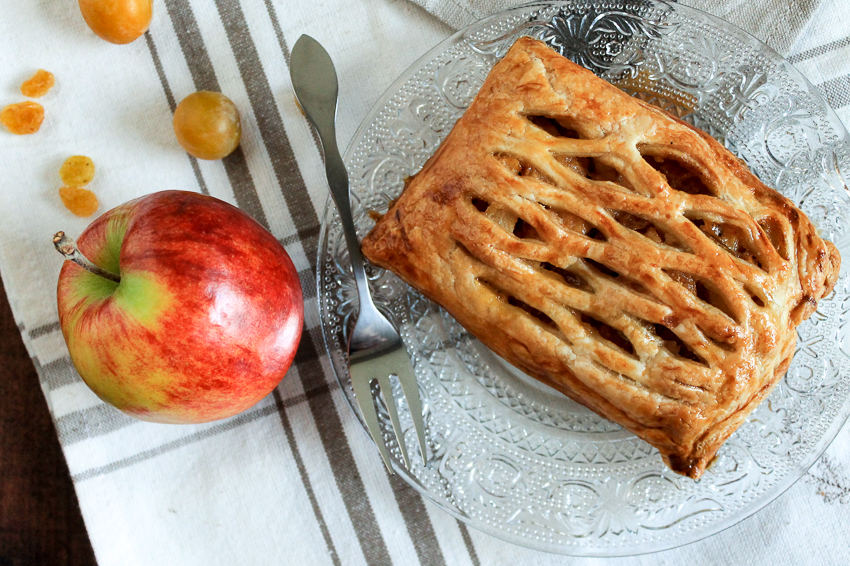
{"type": "Point", "coordinates": [507, 454]}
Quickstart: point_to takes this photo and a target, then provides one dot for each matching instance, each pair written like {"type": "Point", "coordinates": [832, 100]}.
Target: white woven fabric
{"type": "Point", "coordinates": [293, 480]}
{"type": "Point", "coordinates": [776, 22]}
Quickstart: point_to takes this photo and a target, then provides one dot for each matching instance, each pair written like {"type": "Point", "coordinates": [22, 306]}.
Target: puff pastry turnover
{"type": "Point", "coordinates": [611, 251]}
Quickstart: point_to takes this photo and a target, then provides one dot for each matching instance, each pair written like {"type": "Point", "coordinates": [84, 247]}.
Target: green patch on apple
{"type": "Point", "coordinates": [143, 298]}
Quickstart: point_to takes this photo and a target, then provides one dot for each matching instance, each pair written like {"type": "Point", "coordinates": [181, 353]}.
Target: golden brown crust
{"type": "Point", "coordinates": [612, 251]}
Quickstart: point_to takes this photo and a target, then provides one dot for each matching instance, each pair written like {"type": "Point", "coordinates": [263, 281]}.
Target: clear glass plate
{"type": "Point", "coordinates": [508, 455]}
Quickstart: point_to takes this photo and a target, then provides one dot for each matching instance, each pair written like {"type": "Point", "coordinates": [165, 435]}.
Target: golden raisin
{"type": "Point", "coordinates": [22, 118]}
{"type": "Point", "coordinates": [38, 85]}
{"type": "Point", "coordinates": [81, 202]}
{"type": "Point", "coordinates": [207, 125]}
{"type": "Point", "coordinates": [77, 171]}
{"type": "Point", "coordinates": [117, 21]}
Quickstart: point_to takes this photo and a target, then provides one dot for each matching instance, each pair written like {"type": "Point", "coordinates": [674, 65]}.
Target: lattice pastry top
{"type": "Point", "coordinates": [612, 251]}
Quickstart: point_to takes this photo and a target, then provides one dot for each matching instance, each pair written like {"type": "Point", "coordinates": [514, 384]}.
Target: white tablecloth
{"type": "Point", "coordinates": [294, 480]}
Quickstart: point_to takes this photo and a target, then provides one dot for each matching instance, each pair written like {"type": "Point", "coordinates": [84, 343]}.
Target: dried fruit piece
{"type": "Point", "coordinates": [22, 118]}
{"type": "Point", "coordinates": [77, 171]}
{"type": "Point", "coordinates": [117, 21]}
{"type": "Point", "coordinates": [38, 85]}
{"type": "Point", "coordinates": [207, 125]}
{"type": "Point", "coordinates": [81, 202]}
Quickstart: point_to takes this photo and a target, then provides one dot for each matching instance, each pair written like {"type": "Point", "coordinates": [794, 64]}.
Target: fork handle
{"type": "Point", "coordinates": [316, 88]}
{"type": "Point", "coordinates": [338, 183]}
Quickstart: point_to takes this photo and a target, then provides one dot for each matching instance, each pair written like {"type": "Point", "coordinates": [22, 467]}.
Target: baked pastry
{"type": "Point", "coordinates": [612, 251]}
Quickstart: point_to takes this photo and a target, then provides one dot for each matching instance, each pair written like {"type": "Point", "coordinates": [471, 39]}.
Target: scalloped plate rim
{"type": "Point", "coordinates": [682, 539]}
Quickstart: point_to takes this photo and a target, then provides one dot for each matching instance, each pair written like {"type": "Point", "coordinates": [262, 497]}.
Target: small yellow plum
{"type": "Point", "coordinates": [117, 21]}
{"type": "Point", "coordinates": [207, 125]}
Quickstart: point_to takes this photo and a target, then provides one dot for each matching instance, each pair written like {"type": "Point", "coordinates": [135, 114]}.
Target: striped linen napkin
{"type": "Point", "coordinates": [293, 480]}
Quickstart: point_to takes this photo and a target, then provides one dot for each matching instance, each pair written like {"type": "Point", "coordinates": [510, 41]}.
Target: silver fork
{"type": "Point", "coordinates": [375, 348]}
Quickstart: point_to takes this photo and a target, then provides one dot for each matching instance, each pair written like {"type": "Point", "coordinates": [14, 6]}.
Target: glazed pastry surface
{"type": "Point", "coordinates": [612, 251]}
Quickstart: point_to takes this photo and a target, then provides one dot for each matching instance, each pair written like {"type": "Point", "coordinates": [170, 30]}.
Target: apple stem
{"type": "Point", "coordinates": [68, 248]}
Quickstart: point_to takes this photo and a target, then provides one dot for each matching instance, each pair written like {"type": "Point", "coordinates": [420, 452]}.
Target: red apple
{"type": "Point", "coordinates": [204, 321]}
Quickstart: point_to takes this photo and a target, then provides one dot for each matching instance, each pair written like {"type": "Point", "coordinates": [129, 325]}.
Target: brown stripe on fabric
{"type": "Point", "coordinates": [418, 523]}
{"type": "Point", "coordinates": [325, 415]}
{"type": "Point", "coordinates": [271, 126]}
{"type": "Point", "coordinates": [160, 71]}
{"type": "Point", "coordinates": [203, 75]}
{"type": "Point", "coordinates": [312, 232]}
{"type": "Point", "coordinates": [278, 32]}
{"type": "Point", "coordinates": [410, 503]}
{"type": "Point", "coordinates": [467, 540]}
{"type": "Point", "coordinates": [57, 373]}
{"type": "Point", "coordinates": [39, 331]}
{"type": "Point", "coordinates": [340, 457]}
{"type": "Point", "coordinates": [172, 104]}
{"type": "Point", "coordinates": [89, 423]}
{"type": "Point", "coordinates": [281, 41]}
{"type": "Point", "coordinates": [308, 280]}
{"type": "Point", "coordinates": [836, 91]}
{"type": "Point", "coordinates": [244, 189]}
{"type": "Point", "coordinates": [819, 50]}
{"type": "Point", "coordinates": [305, 480]}
{"type": "Point", "coordinates": [242, 419]}
{"type": "Point", "coordinates": [324, 389]}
